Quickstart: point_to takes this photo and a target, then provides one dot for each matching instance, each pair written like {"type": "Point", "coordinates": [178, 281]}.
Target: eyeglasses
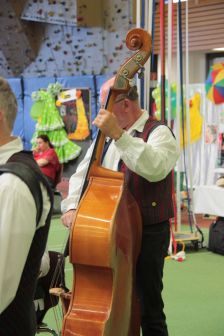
{"type": "Point", "coordinates": [132, 94]}
{"type": "Point", "coordinates": [103, 106]}
{"type": "Point", "coordinates": [118, 100]}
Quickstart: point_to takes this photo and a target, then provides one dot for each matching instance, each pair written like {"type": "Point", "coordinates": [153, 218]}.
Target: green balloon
{"type": "Point", "coordinates": [156, 94]}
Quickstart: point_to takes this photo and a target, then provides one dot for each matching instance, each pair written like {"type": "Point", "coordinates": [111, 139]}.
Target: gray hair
{"type": "Point", "coordinates": [8, 102]}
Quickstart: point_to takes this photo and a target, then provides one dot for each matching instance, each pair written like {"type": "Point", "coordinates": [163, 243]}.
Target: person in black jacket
{"type": "Point", "coordinates": [23, 228]}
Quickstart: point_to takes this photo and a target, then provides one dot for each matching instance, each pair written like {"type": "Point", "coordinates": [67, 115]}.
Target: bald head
{"type": "Point", "coordinates": [8, 104]}
{"type": "Point", "coordinates": [125, 106]}
{"type": "Point", "coordinates": [104, 90]}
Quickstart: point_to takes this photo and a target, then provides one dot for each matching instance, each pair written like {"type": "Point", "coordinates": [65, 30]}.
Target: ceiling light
{"type": "Point", "coordinates": [174, 1]}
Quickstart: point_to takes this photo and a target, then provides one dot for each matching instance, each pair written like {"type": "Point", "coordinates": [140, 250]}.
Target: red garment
{"type": "Point", "coordinates": [53, 166]}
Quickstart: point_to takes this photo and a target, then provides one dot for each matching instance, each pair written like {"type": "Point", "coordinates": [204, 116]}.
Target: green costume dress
{"type": "Point", "coordinates": [49, 122]}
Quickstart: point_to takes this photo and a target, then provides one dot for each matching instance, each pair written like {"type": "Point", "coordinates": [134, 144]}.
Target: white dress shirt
{"type": "Point", "coordinates": [152, 160]}
{"type": "Point", "coordinates": [17, 225]}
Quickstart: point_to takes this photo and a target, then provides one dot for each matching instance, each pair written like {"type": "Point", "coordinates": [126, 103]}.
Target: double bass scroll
{"type": "Point", "coordinates": [106, 234]}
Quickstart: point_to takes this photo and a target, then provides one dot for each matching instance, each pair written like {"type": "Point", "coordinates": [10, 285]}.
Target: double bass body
{"type": "Point", "coordinates": [104, 249]}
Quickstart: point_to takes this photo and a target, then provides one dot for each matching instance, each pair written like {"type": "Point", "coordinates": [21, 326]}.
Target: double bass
{"type": "Point", "coordinates": [105, 236]}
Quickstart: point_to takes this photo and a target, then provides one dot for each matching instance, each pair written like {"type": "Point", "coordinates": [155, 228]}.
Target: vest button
{"type": "Point", "coordinates": [154, 204]}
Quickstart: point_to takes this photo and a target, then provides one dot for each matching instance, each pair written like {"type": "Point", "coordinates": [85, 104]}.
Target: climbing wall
{"type": "Point", "coordinates": [18, 41]}
{"type": "Point", "coordinates": [77, 37]}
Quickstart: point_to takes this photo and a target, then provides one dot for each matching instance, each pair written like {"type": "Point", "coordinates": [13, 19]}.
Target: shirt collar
{"type": "Point", "coordinates": [10, 148]}
{"type": "Point", "coordinates": [140, 123]}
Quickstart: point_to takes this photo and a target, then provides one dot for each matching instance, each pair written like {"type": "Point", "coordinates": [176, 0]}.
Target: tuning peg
{"type": "Point", "coordinates": [141, 73]}
{"type": "Point", "coordinates": [132, 82]}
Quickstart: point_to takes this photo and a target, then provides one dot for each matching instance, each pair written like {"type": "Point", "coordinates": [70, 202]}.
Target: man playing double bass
{"type": "Point", "coordinates": [146, 151]}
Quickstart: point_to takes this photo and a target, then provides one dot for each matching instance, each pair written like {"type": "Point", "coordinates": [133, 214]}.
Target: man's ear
{"type": "Point", "coordinates": [126, 102]}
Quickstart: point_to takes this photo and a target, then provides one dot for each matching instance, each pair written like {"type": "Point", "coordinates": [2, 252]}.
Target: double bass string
{"type": "Point", "coordinates": [83, 186]}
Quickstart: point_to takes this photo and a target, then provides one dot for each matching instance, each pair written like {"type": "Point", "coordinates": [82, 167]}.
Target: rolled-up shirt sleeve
{"type": "Point", "coordinates": [153, 159]}
{"type": "Point", "coordinates": [76, 183]}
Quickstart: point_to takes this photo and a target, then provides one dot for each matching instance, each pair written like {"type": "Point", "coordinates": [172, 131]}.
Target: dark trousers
{"type": "Point", "coordinates": [155, 243]}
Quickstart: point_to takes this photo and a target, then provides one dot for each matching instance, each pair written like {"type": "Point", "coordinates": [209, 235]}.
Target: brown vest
{"type": "Point", "coordinates": [19, 318]}
{"type": "Point", "coordinates": [154, 198]}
